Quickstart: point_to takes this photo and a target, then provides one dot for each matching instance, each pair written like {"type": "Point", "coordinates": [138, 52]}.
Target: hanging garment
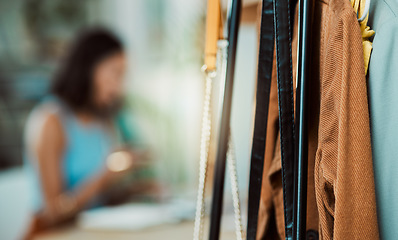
{"type": "Point", "coordinates": [341, 196]}
{"type": "Point", "coordinates": [344, 183]}
{"type": "Point", "coordinates": [271, 212]}
{"type": "Point", "coordinates": [383, 101]}
{"type": "Point", "coordinates": [271, 216]}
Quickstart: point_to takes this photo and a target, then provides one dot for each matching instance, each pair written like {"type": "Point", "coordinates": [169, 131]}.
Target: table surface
{"type": "Point", "coordinates": [180, 231]}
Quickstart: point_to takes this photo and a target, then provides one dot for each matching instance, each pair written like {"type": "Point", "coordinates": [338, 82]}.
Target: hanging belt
{"type": "Point", "coordinates": [286, 107]}
{"type": "Point", "coordinates": [282, 28]}
{"type": "Point", "coordinates": [264, 75]}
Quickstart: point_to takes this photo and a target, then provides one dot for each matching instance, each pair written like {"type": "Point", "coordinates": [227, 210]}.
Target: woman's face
{"type": "Point", "coordinates": [108, 80]}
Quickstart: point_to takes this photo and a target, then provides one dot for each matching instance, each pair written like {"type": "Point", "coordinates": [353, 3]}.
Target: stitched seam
{"type": "Point", "coordinates": [290, 69]}
{"type": "Point", "coordinates": [281, 119]}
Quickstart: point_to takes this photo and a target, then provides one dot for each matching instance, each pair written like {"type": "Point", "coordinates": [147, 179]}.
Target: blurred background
{"type": "Point", "coordinates": [164, 42]}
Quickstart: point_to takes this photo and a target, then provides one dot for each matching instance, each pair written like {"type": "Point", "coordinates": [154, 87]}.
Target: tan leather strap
{"type": "Point", "coordinates": [213, 33]}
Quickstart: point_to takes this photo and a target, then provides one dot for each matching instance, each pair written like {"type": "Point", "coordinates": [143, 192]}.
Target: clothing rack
{"type": "Point", "coordinates": [300, 142]}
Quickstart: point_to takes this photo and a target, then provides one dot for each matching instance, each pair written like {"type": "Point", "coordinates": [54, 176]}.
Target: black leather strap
{"type": "Point", "coordinates": [265, 60]}
{"type": "Point", "coordinates": [286, 107]}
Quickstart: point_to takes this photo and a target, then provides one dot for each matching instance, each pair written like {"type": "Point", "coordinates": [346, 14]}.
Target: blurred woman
{"type": "Point", "coordinates": [70, 136]}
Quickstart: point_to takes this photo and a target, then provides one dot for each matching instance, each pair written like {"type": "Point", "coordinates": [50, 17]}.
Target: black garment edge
{"type": "Point", "coordinates": [264, 76]}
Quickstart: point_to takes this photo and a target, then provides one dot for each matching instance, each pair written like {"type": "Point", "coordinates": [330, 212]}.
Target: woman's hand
{"type": "Point", "coordinates": [120, 161]}
{"type": "Point", "coordinates": [117, 165]}
{"type": "Point", "coordinates": [125, 159]}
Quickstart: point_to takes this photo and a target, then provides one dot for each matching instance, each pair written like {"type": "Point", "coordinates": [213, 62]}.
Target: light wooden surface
{"type": "Point", "coordinates": [180, 231]}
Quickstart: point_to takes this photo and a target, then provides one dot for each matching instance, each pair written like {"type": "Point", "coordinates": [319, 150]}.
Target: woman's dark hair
{"type": "Point", "coordinates": [73, 83]}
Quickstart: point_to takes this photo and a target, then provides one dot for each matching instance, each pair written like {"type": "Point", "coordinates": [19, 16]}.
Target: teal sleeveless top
{"type": "Point", "coordinates": [87, 146]}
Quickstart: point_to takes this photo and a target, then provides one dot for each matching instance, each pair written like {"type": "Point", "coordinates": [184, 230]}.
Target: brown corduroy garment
{"type": "Point", "coordinates": [344, 182]}
{"type": "Point", "coordinates": [341, 198]}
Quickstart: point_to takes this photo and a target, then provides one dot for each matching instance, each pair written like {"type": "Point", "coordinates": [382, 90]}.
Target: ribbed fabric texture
{"type": "Point", "coordinates": [344, 183]}
{"type": "Point", "coordinates": [341, 196]}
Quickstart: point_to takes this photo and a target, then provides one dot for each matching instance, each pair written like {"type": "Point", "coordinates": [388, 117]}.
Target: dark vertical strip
{"type": "Point", "coordinates": [300, 210]}
{"type": "Point", "coordinates": [219, 174]}
{"type": "Point", "coordinates": [264, 75]}
{"type": "Point", "coordinates": [286, 107]}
